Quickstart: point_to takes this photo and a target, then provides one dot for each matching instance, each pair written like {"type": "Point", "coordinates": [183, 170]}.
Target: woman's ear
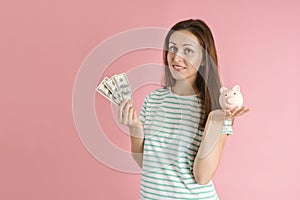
{"type": "Point", "coordinates": [202, 64]}
{"type": "Point", "coordinates": [203, 61]}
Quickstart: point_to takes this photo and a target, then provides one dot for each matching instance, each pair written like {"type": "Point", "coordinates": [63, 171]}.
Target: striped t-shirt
{"type": "Point", "coordinates": [172, 139]}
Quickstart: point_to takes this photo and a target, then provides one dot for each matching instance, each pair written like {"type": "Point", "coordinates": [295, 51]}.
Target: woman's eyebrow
{"type": "Point", "coordinates": [188, 45]}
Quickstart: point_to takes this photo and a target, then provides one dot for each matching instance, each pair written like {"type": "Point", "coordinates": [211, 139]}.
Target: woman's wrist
{"type": "Point", "coordinates": [137, 131]}
{"type": "Point", "coordinates": [227, 127]}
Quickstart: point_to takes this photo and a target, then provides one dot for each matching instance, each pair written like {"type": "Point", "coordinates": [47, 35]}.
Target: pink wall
{"type": "Point", "coordinates": [44, 43]}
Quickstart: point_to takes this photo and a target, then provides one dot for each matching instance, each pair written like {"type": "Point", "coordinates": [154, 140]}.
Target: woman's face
{"type": "Point", "coordinates": [184, 56]}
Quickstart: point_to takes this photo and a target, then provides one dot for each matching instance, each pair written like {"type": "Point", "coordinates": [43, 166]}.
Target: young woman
{"type": "Point", "coordinates": [167, 135]}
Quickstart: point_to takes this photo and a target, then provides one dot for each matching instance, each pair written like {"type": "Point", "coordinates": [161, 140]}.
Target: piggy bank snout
{"type": "Point", "coordinates": [231, 100]}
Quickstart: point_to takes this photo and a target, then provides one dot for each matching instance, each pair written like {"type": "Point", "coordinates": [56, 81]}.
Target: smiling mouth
{"type": "Point", "coordinates": [178, 67]}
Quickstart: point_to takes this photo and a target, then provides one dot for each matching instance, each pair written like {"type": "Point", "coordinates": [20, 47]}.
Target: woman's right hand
{"type": "Point", "coordinates": [128, 117]}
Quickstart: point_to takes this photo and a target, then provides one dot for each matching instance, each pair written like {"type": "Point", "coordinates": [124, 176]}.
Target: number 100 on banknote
{"type": "Point", "coordinates": [115, 89]}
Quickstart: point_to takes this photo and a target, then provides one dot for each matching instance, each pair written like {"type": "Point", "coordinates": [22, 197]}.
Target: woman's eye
{"type": "Point", "coordinates": [188, 51]}
{"type": "Point", "coordinates": [172, 49]}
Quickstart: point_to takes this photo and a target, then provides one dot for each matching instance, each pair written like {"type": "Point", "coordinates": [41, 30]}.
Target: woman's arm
{"type": "Point", "coordinates": [205, 168]}
{"type": "Point", "coordinates": [210, 151]}
{"type": "Point", "coordinates": [127, 116]}
{"type": "Point", "coordinates": [137, 143]}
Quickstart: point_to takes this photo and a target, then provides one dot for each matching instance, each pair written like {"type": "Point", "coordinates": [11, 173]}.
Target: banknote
{"type": "Point", "coordinates": [123, 85]}
{"type": "Point", "coordinates": [103, 90]}
{"type": "Point", "coordinates": [115, 89]}
{"type": "Point", "coordinates": [110, 84]}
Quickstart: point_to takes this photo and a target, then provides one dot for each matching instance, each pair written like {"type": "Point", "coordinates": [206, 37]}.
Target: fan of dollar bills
{"type": "Point", "coordinates": [116, 89]}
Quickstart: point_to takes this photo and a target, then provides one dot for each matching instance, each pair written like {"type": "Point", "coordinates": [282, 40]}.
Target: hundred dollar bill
{"type": "Point", "coordinates": [102, 89]}
{"type": "Point", "coordinates": [122, 83]}
{"type": "Point", "coordinates": [111, 86]}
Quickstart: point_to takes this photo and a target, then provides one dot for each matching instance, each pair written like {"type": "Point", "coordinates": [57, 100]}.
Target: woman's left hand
{"type": "Point", "coordinates": [236, 112]}
{"type": "Point", "coordinates": [220, 114]}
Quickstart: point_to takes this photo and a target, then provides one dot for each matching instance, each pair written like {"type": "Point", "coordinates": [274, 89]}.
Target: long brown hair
{"type": "Point", "coordinates": [208, 80]}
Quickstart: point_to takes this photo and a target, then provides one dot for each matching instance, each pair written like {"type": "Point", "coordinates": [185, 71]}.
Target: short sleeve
{"type": "Point", "coordinates": [227, 127]}
{"type": "Point", "coordinates": [143, 113]}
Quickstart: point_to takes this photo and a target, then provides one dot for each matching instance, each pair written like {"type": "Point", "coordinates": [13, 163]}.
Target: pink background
{"type": "Point", "coordinates": [43, 44]}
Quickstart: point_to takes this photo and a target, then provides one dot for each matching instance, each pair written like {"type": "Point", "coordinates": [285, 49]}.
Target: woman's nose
{"type": "Point", "coordinates": [178, 57]}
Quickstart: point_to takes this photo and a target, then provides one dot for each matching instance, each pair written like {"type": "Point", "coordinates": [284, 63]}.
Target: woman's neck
{"type": "Point", "coordinates": [184, 87]}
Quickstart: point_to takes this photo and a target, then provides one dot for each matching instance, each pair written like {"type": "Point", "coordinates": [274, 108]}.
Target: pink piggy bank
{"type": "Point", "coordinates": [231, 99]}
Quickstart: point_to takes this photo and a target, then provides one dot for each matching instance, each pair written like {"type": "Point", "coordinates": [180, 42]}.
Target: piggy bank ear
{"type": "Point", "coordinates": [222, 89]}
{"type": "Point", "coordinates": [236, 88]}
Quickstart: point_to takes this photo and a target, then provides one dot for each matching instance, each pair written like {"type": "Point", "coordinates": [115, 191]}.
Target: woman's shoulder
{"type": "Point", "coordinates": [158, 93]}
